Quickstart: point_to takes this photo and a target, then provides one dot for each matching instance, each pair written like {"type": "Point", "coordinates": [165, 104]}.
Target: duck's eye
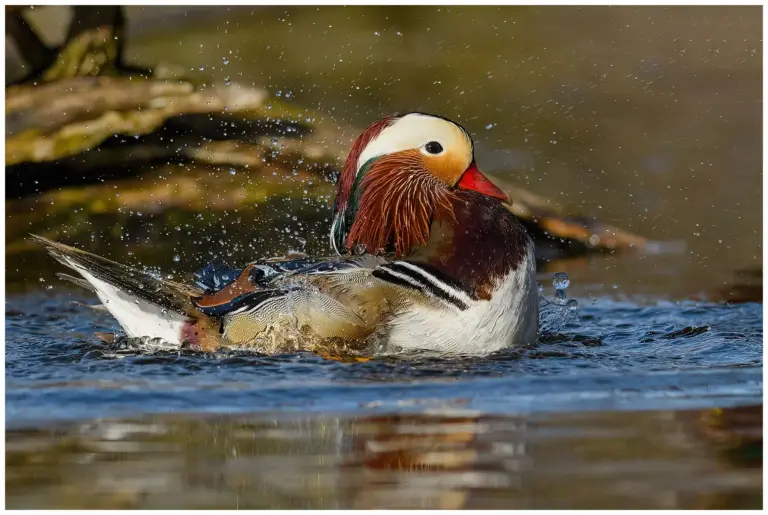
{"type": "Point", "coordinates": [433, 147]}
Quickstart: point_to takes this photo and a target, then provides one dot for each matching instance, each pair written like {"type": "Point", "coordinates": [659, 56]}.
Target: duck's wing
{"type": "Point", "coordinates": [347, 299]}
{"type": "Point", "coordinates": [227, 289]}
{"type": "Point", "coordinates": [334, 298]}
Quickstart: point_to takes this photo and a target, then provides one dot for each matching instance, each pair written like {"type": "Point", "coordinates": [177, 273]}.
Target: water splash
{"type": "Point", "coordinates": [559, 312]}
{"type": "Point", "coordinates": [561, 282]}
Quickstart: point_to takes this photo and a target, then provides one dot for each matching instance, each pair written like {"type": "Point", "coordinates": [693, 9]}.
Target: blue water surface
{"type": "Point", "coordinates": [606, 355]}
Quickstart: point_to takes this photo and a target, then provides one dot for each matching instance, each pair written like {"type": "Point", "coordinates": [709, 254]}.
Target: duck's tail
{"type": "Point", "coordinates": [144, 305]}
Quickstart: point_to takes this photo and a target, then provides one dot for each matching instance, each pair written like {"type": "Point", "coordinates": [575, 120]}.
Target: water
{"type": "Point", "coordinates": [303, 431]}
{"type": "Point", "coordinates": [609, 356]}
{"type": "Point", "coordinates": [449, 458]}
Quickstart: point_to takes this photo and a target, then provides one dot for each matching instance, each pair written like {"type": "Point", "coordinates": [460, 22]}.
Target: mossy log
{"type": "Point", "coordinates": [69, 116]}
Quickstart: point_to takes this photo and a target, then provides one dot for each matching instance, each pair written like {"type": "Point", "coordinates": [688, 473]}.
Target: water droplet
{"type": "Point", "coordinates": [177, 258]}
{"type": "Point", "coordinates": [560, 280]}
{"type": "Point", "coordinates": [572, 304]}
{"type": "Point", "coordinates": [560, 294]}
{"type": "Point", "coordinates": [359, 249]}
{"type": "Point", "coordinates": [225, 61]}
{"type": "Point", "coordinates": [232, 171]}
{"type": "Point", "coordinates": [489, 127]}
{"type": "Point", "coordinates": [227, 80]}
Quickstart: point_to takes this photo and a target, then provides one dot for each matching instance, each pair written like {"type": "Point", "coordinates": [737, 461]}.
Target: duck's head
{"type": "Point", "coordinates": [401, 172]}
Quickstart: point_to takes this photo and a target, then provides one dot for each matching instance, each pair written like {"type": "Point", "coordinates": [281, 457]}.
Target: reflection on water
{"type": "Point", "coordinates": [444, 458]}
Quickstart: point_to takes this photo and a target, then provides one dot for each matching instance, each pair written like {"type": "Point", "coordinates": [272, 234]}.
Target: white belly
{"type": "Point", "coordinates": [510, 318]}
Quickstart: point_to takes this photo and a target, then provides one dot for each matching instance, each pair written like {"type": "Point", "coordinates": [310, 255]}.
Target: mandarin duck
{"type": "Point", "coordinates": [428, 257]}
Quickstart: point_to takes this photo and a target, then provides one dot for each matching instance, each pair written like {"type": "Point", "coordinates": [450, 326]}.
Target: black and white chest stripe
{"type": "Point", "coordinates": [428, 280]}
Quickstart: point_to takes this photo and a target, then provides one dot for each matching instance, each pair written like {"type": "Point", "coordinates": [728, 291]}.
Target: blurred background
{"type": "Point", "coordinates": [630, 139]}
{"type": "Point", "coordinates": [645, 118]}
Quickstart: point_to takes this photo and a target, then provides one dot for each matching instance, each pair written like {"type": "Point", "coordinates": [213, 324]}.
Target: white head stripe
{"type": "Point", "coordinates": [413, 131]}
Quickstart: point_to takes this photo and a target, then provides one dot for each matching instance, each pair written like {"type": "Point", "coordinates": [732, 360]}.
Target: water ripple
{"type": "Point", "coordinates": [605, 355]}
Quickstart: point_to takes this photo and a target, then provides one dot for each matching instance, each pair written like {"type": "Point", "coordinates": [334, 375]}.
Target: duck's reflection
{"type": "Point", "coordinates": [423, 461]}
{"type": "Point", "coordinates": [447, 459]}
